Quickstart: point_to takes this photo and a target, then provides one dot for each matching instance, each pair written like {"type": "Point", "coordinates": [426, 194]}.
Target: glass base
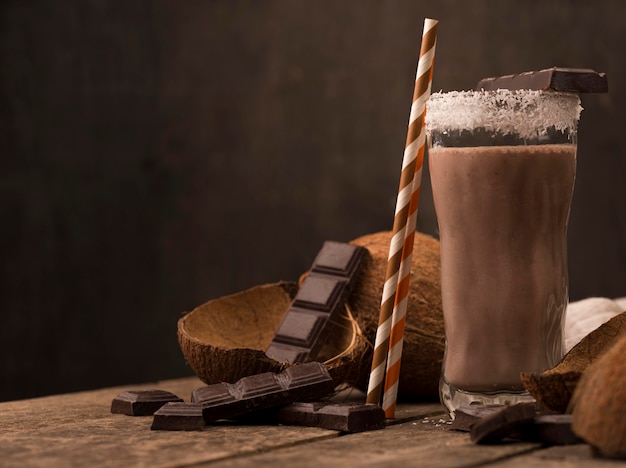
{"type": "Point", "coordinates": [453, 398]}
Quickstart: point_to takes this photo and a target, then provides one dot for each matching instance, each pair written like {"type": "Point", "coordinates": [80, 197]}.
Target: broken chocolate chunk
{"type": "Point", "coordinates": [178, 417]}
{"type": "Point", "coordinates": [502, 424]}
{"type": "Point", "coordinates": [466, 416]}
{"type": "Point", "coordinates": [141, 402]}
{"type": "Point", "coordinates": [553, 429]}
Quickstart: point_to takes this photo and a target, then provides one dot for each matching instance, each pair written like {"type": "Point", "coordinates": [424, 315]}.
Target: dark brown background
{"type": "Point", "coordinates": [157, 154]}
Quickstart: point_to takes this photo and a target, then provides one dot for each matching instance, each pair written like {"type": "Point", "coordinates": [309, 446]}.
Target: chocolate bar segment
{"type": "Point", "coordinates": [303, 382]}
{"type": "Point", "coordinates": [321, 297]}
{"type": "Point", "coordinates": [141, 402]}
{"type": "Point", "coordinates": [553, 429]}
{"type": "Point", "coordinates": [300, 328]}
{"type": "Point", "coordinates": [216, 394]}
{"type": "Point", "coordinates": [339, 259]}
{"type": "Point", "coordinates": [547, 428]}
{"type": "Point", "coordinates": [346, 417]}
{"type": "Point", "coordinates": [178, 417]}
{"type": "Point", "coordinates": [466, 416]}
{"type": "Point", "coordinates": [502, 424]}
{"type": "Point", "coordinates": [571, 80]}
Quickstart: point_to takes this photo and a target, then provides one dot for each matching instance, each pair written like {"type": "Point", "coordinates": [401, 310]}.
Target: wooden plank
{"type": "Point", "coordinates": [425, 442]}
{"type": "Point", "coordinates": [568, 456]}
{"type": "Point", "coordinates": [79, 430]}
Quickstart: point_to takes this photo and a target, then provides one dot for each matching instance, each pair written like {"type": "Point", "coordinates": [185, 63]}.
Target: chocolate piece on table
{"type": "Point", "coordinates": [141, 402]}
{"type": "Point", "coordinates": [178, 417]}
{"type": "Point", "coordinates": [320, 298]}
{"type": "Point", "coordinates": [502, 424]}
{"type": "Point", "coordinates": [302, 382]}
{"type": "Point", "coordinates": [572, 80]}
{"type": "Point", "coordinates": [553, 429]}
{"type": "Point", "coordinates": [466, 416]}
{"type": "Point", "coordinates": [346, 417]}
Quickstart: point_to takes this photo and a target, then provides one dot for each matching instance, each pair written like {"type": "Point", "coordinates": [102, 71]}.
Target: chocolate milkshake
{"type": "Point", "coordinates": [502, 169]}
{"type": "Point", "coordinates": [502, 214]}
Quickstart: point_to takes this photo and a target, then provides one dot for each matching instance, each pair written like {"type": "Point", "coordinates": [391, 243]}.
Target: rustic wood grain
{"type": "Point", "coordinates": [79, 430]}
{"type": "Point", "coordinates": [412, 443]}
{"type": "Point", "coordinates": [570, 456]}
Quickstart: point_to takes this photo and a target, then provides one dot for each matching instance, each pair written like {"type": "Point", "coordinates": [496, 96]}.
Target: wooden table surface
{"type": "Point", "coordinates": [78, 429]}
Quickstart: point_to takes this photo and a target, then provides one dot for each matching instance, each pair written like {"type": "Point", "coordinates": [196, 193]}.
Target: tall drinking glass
{"type": "Point", "coordinates": [502, 167]}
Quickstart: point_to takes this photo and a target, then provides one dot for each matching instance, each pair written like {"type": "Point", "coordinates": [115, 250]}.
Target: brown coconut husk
{"type": "Point", "coordinates": [424, 337]}
{"type": "Point", "coordinates": [553, 389]}
{"type": "Point", "coordinates": [224, 339]}
{"type": "Point", "coordinates": [599, 403]}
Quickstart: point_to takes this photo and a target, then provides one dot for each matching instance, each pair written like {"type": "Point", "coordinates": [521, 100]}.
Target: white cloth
{"type": "Point", "coordinates": [584, 316]}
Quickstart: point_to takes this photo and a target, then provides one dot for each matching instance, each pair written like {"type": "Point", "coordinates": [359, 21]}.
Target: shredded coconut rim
{"type": "Point", "coordinates": [526, 113]}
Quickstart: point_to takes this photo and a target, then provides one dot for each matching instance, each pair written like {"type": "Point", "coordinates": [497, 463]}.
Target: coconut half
{"type": "Point", "coordinates": [224, 339]}
{"type": "Point", "coordinates": [553, 389]}
{"type": "Point", "coordinates": [599, 402]}
{"type": "Point", "coordinates": [424, 337]}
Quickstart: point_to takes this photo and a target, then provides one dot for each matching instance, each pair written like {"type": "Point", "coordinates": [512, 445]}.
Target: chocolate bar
{"type": "Point", "coordinates": [321, 297]}
{"type": "Point", "coordinates": [504, 422]}
{"type": "Point", "coordinates": [302, 382]}
{"type": "Point", "coordinates": [178, 417]}
{"type": "Point", "coordinates": [571, 80]}
{"type": "Point", "coordinates": [346, 417]}
{"type": "Point", "coordinates": [141, 402]}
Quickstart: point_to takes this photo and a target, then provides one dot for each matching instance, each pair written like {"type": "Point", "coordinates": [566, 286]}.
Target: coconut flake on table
{"type": "Point", "coordinates": [584, 316]}
{"type": "Point", "coordinates": [500, 111]}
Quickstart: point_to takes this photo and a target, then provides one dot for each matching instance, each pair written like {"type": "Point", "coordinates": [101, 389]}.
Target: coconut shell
{"type": "Point", "coordinates": [553, 389]}
{"type": "Point", "coordinates": [599, 402]}
{"type": "Point", "coordinates": [424, 336]}
{"type": "Point", "coordinates": [224, 339]}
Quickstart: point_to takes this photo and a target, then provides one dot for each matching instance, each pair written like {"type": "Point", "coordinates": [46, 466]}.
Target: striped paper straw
{"type": "Point", "coordinates": [395, 290]}
{"type": "Point", "coordinates": [416, 137]}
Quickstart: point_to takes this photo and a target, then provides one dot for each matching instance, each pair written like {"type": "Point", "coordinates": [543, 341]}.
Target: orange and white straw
{"type": "Point", "coordinates": [383, 383]}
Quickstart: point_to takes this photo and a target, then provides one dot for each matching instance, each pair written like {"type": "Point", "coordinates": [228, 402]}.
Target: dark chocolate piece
{"type": "Point", "coordinates": [178, 417]}
{"type": "Point", "coordinates": [571, 80]}
{"type": "Point", "coordinates": [553, 429]}
{"type": "Point", "coordinates": [321, 297]}
{"type": "Point", "coordinates": [547, 428]}
{"type": "Point", "coordinates": [502, 424]}
{"type": "Point", "coordinates": [302, 382]}
{"type": "Point", "coordinates": [339, 259]}
{"type": "Point", "coordinates": [141, 402]}
{"type": "Point", "coordinates": [466, 416]}
{"type": "Point", "coordinates": [346, 417]}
